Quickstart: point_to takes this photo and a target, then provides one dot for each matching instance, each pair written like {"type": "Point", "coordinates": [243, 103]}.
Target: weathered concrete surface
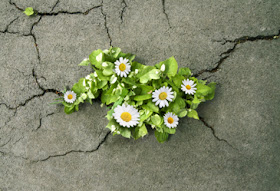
{"type": "Point", "coordinates": [235, 145]}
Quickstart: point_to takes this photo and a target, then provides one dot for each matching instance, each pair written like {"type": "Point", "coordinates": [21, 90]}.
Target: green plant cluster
{"type": "Point", "coordinates": [29, 11]}
{"type": "Point", "coordinates": [136, 90]}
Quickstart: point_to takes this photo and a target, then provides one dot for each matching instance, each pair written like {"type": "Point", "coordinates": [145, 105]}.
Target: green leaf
{"type": "Point", "coordinates": [101, 84]}
{"type": "Point", "coordinates": [77, 107]}
{"type": "Point", "coordinates": [202, 90]}
{"type": "Point", "coordinates": [101, 76]}
{"type": "Point", "coordinates": [110, 113]}
{"type": "Point", "coordinates": [135, 65]}
{"type": "Point", "coordinates": [146, 89]}
{"type": "Point", "coordinates": [115, 51]}
{"type": "Point", "coordinates": [29, 11]}
{"type": "Point", "coordinates": [140, 131]}
{"type": "Point", "coordinates": [142, 97]}
{"type": "Point", "coordinates": [182, 113]}
{"type": "Point", "coordinates": [161, 137]}
{"type": "Point", "coordinates": [185, 72]}
{"type": "Point", "coordinates": [169, 130]}
{"type": "Point", "coordinates": [108, 99]}
{"type": "Point", "coordinates": [79, 88]}
{"type": "Point", "coordinates": [96, 58]}
{"type": "Point", "coordinates": [84, 96]}
{"type": "Point", "coordinates": [192, 114]}
{"type": "Point", "coordinates": [85, 62]}
{"type": "Point", "coordinates": [171, 66]}
{"type": "Point", "coordinates": [148, 74]}
{"type": "Point", "coordinates": [129, 56]}
{"type": "Point", "coordinates": [195, 102]}
{"type": "Point", "coordinates": [69, 110]}
{"type": "Point", "coordinates": [156, 120]}
{"type": "Point", "coordinates": [112, 125]}
{"type": "Point", "coordinates": [125, 132]}
{"type": "Point", "coordinates": [108, 70]}
{"type": "Point", "coordinates": [145, 114]}
{"type": "Point", "coordinates": [177, 105]}
{"type": "Point", "coordinates": [211, 93]}
{"type": "Point", "coordinates": [177, 79]}
{"type": "Point", "coordinates": [151, 106]}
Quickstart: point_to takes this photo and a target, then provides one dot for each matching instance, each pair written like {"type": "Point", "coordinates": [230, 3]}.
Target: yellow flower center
{"type": "Point", "coordinates": [162, 96]}
{"type": "Point", "coordinates": [188, 87]}
{"type": "Point", "coordinates": [70, 96]}
{"type": "Point", "coordinates": [170, 120]}
{"type": "Point", "coordinates": [126, 116]}
{"type": "Point", "coordinates": [122, 67]}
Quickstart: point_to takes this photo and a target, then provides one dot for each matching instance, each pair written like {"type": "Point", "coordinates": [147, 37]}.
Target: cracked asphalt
{"type": "Point", "coordinates": [234, 146]}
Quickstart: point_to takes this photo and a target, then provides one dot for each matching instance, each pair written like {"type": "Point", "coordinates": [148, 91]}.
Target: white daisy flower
{"type": "Point", "coordinates": [170, 120]}
{"type": "Point", "coordinates": [188, 86]}
{"type": "Point", "coordinates": [162, 96]}
{"type": "Point", "coordinates": [126, 115]}
{"type": "Point", "coordinates": [70, 96]}
{"type": "Point", "coordinates": [122, 67]}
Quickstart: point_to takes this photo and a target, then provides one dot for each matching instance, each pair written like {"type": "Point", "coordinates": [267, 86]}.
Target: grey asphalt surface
{"type": "Point", "coordinates": [234, 146]}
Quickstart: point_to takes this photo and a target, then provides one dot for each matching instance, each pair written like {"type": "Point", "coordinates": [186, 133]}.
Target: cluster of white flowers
{"type": "Point", "coordinates": [127, 115]}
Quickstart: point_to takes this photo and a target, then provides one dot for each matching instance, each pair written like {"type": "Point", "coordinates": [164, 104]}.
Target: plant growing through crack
{"type": "Point", "coordinates": [29, 11]}
{"type": "Point", "coordinates": [137, 95]}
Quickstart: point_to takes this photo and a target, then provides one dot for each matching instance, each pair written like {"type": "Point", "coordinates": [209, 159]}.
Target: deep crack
{"type": "Point", "coordinates": [76, 151]}
{"type": "Point", "coordinates": [105, 23]}
{"type": "Point", "coordinates": [164, 12]}
{"type": "Point", "coordinates": [56, 13]}
{"type": "Point", "coordinates": [14, 4]}
{"type": "Point", "coordinates": [214, 132]}
{"type": "Point", "coordinates": [7, 27]}
{"type": "Point", "coordinates": [226, 54]}
{"type": "Point", "coordinates": [34, 96]}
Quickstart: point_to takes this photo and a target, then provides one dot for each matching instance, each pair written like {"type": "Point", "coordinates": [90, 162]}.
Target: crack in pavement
{"type": "Point", "coordinates": [7, 27]}
{"type": "Point", "coordinates": [67, 12]}
{"type": "Point", "coordinates": [227, 53]}
{"type": "Point", "coordinates": [76, 151]}
{"type": "Point", "coordinates": [14, 4]}
{"type": "Point", "coordinates": [60, 155]}
{"type": "Point", "coordinates": [41, 118]}
{"type": "Point", "coordinates": [105, 24]}
{"type": "Point", "coordinates": [214, 133]}
{"type": "Point", "coordinates": [55, 5]}
{"type": "Point", "coordinates": [34, 96]}
{"type": "Point", "coordinates": [123, 10]}
{"type": "Point", "coordinates": [56, 13]}
{"type": "Point", "coordinates": [164, 12]}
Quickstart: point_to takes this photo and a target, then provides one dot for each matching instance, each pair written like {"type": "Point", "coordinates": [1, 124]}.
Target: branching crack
{"type": "Point", "coordinates": [105, 24]}
{"type": "Point", "coordinates": [56, 13]}
{"type": "Point", "coordinates": [67, 12]}
{"type": "Point", "coordinates": [76, 151]}
{"type": "Point", "coordinates": [55, 5]}
{"type": "Point", "coordinates": [164, 12]}
{"type": "Point", "coordinates": [226, 54]}
{"type": "Point", "coordinates": [41, 118]}
{"type": "Point", "coordinates": [123, 9]}
{"type": "Point", "coordinates": [14, 4]}
{"type": "Point", "coordinates": [34, 96]}
{"type": "Point", "coordinates": [214, 132]}
{"type": "Point", "coordinates": [7, 27]}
